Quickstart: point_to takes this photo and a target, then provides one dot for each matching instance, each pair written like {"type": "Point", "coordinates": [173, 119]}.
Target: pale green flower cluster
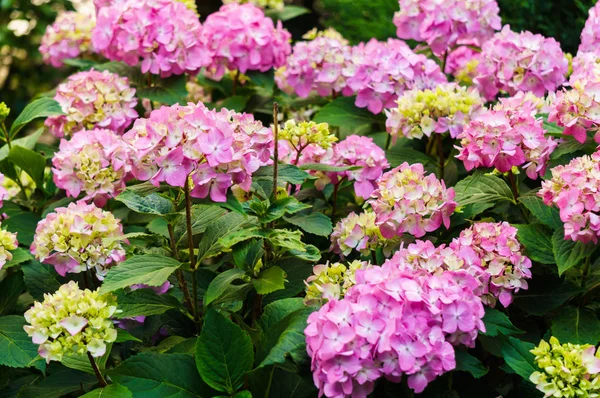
{"type": "Point", "coordinates": [274, 4]}
{"type": "Point", "coordinates": [567, 370]}
{"type": "Point", "coordinates": [302, 134]}
{"type": "Point", "coordinates": [329, 33]}
{"type": "Point", "coordinates": [72, 321]}
{"type": "Point", "coordinates": [331, 281]}
{"type": "Point", "coordinates": [4, 111]}
{"type": "Point", "coordinates": [8, 241]}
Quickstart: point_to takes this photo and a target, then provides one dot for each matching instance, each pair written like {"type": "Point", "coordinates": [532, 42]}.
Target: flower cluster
{"type": "Point", "coordinates": [508, 135]}
{"type": "Point", "coordinates": [462, 64]}
{"type": "Point", "coordinates": [218, 149]}
{"type": "Point", "coordinates": [394, 321]}
{"type": "Point", "coordinates": [444, 24]}
{"type": "Point", "coordinates": [422, 112]}
{"type": "Point", "coordinates": [317, 66]}
{"type": "Point", "coordinates": [380, 71]}
{"type": "Point", "coordinates": [512, 62]}
{"type": "Point", "coordinates": [4, 194]}
{"type": "Point", "coordinates": [164, 35]}
{"type": "Point", "coordinates": [93, 99]}
{"type": "Point", "coordinates": [407, 200]}
{"type": "Point", "coordinates": [8, 241]}
{"type": "Point", "coordinates": [586, 67]}
{"type": "Point", "coordinates": [95, 162]}
{"type": "Point", "coordinates": [71, 321]}
{"type": "Point", "coordinates": [578, 109]}
{"type": "Point", "coordinates": [567, 370]}
{"type": "Point", "coordinates": [361, 233]}
{"type": "Point", "coordinates": [241, 37]}
{"type": "Point", "coordinates": [573, 188]}
{"type": "Point", "coordinates": [77, 238]}
{"type": "Point", "coordinates": [590, 35]}
{"type": "Point", "coordinates": [301, 135]}
{"type": "Point", "coordinates": [331, 281]}
{"type": "Point", "coordinates": [273, 4]}
{"type": "Point", "coordinates": [494, 248]}
{"type": "Point", "coordinates": [68, 37]}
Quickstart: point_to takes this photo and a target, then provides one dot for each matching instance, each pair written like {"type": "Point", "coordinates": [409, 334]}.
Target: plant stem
{"type": "Point", "coordinates": [440, 148]}
{"type": "Point", "coordinates": [6, 135]}
{"type": "Point", "coordinates": [101, 379]}
{"type": "Point", "coordinates": [388, 142]}
{"type": "Point", "coordinates": [180, 278]}
{"type": "Point", "coordinates": [236, 78]}
{"type": "Point", "coordinates": [334, 204]}
{"type": "Point", "coordinates": [276, 149]}
{"type": "Point", "coordinates": [513, 185]}
{"type": "Point", "coordinates": [188, 219]}
{"type": "Point", "coordinates": [268, 390]}
{"type": "Point", "coordinates": [373, 257]}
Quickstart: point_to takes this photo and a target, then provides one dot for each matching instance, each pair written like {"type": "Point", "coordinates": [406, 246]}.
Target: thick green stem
{"type": "Point", "coordinates": [513, 185]}
{"type": "Point", "coordinates": [440, 149]}
{"type": "Point", "coordinates": [101, 380]}
{"type": "Point", "coordinates": [180, 278]}
{"type": "Point", "coordinates": [188, 219]}
{"type": "Point", "coordinates": [334, 204]}
{"type": "Point", "coordinates": [276, 149]}
{"type": "Point", "coordinates": [5, 134]}
{"type": "Point", "coordinates": [388, 142]}
{"type": "Point", "coordinates": [268, 390]}
{"type": "Point", "coordinates": [236, 78]}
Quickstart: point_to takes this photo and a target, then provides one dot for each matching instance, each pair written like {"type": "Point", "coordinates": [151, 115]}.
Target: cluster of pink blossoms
{"type": "Point", "coordinates": [512, 62]}
{"type": "Point", "coordinates": [586, 67]}
{"type": "Point", "coordinates": [590, 35]}
{"type": "Point", "coordinates": [217, 149]}
{"type": "Point", "coordinates": [407, 200]}
{"type": "Point", "coordinates": [95, 162]}
{"type": "Point", "coordinates": [317, 66]}
{"type": "Point", "coordinates": [444, 24]}
{"type": "Point", "coordinates": [578, 109]}
{"type": "Point", "coordinates": [462, 64]}
{"type": "Point", "coordinates": [163, 34]}
{"type": "Point", "coordinates": [93, 99]}
{"type": "Point", "coordinates": [573, 188]}
{"type": "Point", "coordinates": [508, 135]}
{"type": "Point", "coordinates": [360, 232]}
{"type": "Point", "coordinates": [353, 151]}
{"type": "Point", "coordinates": [68, 37]}
{"type": "Point", "coordinates": [395, 321]}
{"type": "Point", "coordinates": [241, 37]}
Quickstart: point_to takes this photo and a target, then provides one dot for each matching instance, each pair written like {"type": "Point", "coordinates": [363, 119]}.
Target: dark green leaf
{"type": "Point", "coordinates": [167, 91]}
{"type": "Point", "coordinates": [110, 391]}
{"type": "Point", "coordinates": [221, 283]}
{"type": "Point", "coordinates": [39, 279]}
{"type": "Point", "coordinates": [11, 288]}
{"type": "Point", "coordinates": [568, 253]}
{"type": "Point", "coordinates": [26, 142]}
{"type": "Point", "coordinates": [497, 322]}
{"type": "Point", "coordinates": [546, 214]}
{"type": "Point", "coordinates": [42, 107]}
{"type": "Point", "coordinates": [400, 154]}
{"type": "Point", "coordinates": [481, 188]}
{"type": "Point", "coordinates": [314, 223]}
{"type": "Point", "coordinates": [343, 112]}
{"type": "Point", "coordinates": [145, 302]}
{"type": "Point", "coordinates": [224, 353]}
{"type": "Point", "coordinates": [517, 356]}
{"type": "Point", "coordinates": [16, 348]}
{"type": "Point", "coordinates": [209, 245]}
{"type": "Point", "coordinates": [24, 225]}
{"type": "Point", "coordinates": [286, 13]}
{"type": "Point", "coordinates": [537, 240]}
{"type": "Point", "coordinates": [236, 103]}
{"type": "Point", "coordinates": [238, 236]}
{"type": "Point", "coordinates": [468, 363]}
{"type": "Point", "coordinates": [545, 295]}
{"type": "Point", "coordinates": [247, 254]}
{"type": "Point", "coordinates": [30, 162]}
{"type": "Point", "coordinates": [269, 280]}
{"type": "Point", "coordinates": [123, 336]}
{"type": "Point", "coordinates": [147, 269]}
{"type": "Point", "coordinates": [150, 204]}
{"type": "Point", "coordinates": [19, 257]}
{"type": "Point", "coordinates": [285, 173]}
{"type": "Point", "coordinates": [58, 384]}
{"type": "Point", "coordinates": [575, 325]}
{"type": "Point", "coordinates": [202, 216]}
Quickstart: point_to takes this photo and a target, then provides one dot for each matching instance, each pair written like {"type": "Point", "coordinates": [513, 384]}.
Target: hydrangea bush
{"type": "Point", "coordinates": [215, 209]}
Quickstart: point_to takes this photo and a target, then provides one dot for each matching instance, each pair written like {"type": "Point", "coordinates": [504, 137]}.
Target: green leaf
{"type": "Point", "coordinates": [287, 13]}
{"type": "Point", "coordinates": [343, 112]}
{"type": "Point", "coordinates": [497, 322]}
{"type": "Point", "coordinates": [552, 128]}
{"type": "Point", "coordinates": [282, 325]}
{"type": "Point", "coordinates": [39, 279]}
{"type": "Point", "coordinates": [209, 245]}
{"type": "Point", "coordinates": [42, 107]}
{"type": "Point", "coordinates": [167, 91]}
{"type": "Point", "coordinates": [202, 216]}
{"type": "Point", "coordinates": [123, 336]}
{"type": "Point", "coordinates": [285, 173]}
{"type": "Point", "coordinates": [150, 204]}
{"type": "Point", "coordinates": [468, 363]}
{"type": "Point", "coordinates": [568, 253]}
{"type": "Point", "coordinates": [224, 353]}
{"type": "Point", "coordinates": [25, 142]}
{"type": "Point", "coordinates": [481, 188]}
{"type": "Point", "coordinates": [58, 384]}
{"type": "Point", "coordinates": [238, 236]}
{"type": "Point", "coordinates": [284, 384]}
{"type": "Point", "coordinates": [537, 239]}
{"type": "Point", "coordinates": [145, 302]}
{"type": "Point", "coordinates": [110, 391]}
{"type": "Point", "coordinates": [24, 225]}
{"type": "Point", "coordinates": [149, 375]}
{"type": "Point", "coordinates": [518, 358]}
{"type": "Point", "coordinates": [30, 162]}
{"type": "Point", "coordinates": [221, 283]}
{"type": "Point", "coordinates": [400, 154]}
{"type": "Point", "coordinates": [235, 103]}
{"type": "Point", "coordinates": [270, 280]}
{"type": "Point", "coordinates": [576, 325]}
{"type": "Point", "coordinates": [147, 269]}
{"type": "Point", "coordinates": [16, 348]}
{"type": "Point", "coordinates": [247, 254]}
{"type": "Point", "coordinates": [545, 295]}
{"type": "Point", "coordinates": [81, 362]}
{"type": "Point", "coordinates": [570, 145]}
{"type": "Point", "coordinates": [327, 167]}
{"type": "Point", "coordinates": [313, 223]}
{"type": "Point", "coordinates": [546, 214]}
{"type": "Point", "coordinates": [11, 288]}
{"type": "Point", "coordinates": [20, 256]}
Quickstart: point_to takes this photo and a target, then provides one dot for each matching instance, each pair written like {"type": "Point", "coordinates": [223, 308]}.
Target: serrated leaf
{"type": "Point", "coordinates": [343, 112]}
{"type": "Point", "coordinates": [235, 237]}
{"type": "Point", "coordinates": [11, 288]}
{"type": "Point", "coordinates": [161, 375]}
{"type": "Point", "coordinates": [575, 325]}
{"type": "Point", "coordinates": [285, 173]}
{"type": "Point", "coordinates": [81, 362]}
{"type": "Point", "coordinates": [568, 253]}
{"type": "Point", "coordinates": [16, 348]}
{"type": "Point", "coordinates": [24, 224]}
{"type": "Point", "coordinates": [518, 358]}
{"type": "Point", "coordinates": [25, 142]}
{"type": "Point", "coordinates": [497, 323]}
{"type": "Point", "coordinates": [468, 363]}
{"type": "Point", "coordinates": [123, 336]}
{"type": "Point", "coordinates": [209, 244]}
{"type": "Point", "coordinates": [270, 280]}
{"type": "Point", "coordinates": [546, 214]}
{"type": "Point", "coordinates": [144, 302]}
{"type": "Point", "coordinates": [286, 13]}
{"type": "Point", "coordinates": [150, 204]}
{"type": "Point", "coordinates": [313, 223]}
{"type": "Point", "coordinates": [247, 254]}
{"type": "Point", "coordinates": [537, 240]}
{"type": "Point", "coordinates": [221, 283]}
{"type": "Point", "coordinates": [481, 188]}
{"type": "Point", "coordinates": [202, 216]}
{"type": "Point", "coordinates": [30, 162]}
{"type": "Point", "coordinates": [58, 384]}
{"type": "Point", "coordinates": [39, 279]}
{"type": "Point", "coordinates": [20, 256]}
{"type": "Point", "coordinates": [545, 295]}
{"type": "Point", "coordinates": [399, 154]}
{"type": "Point", "coordinates": [110, 391]}
{"type": "Point", "coordinates": [42, 107]}
{"type": "Point", "coordinates": [166, 91]}
{"type": "Point", "coordinates": [224, 353]}
{"type": "Point", "coordinates": [147, 269]}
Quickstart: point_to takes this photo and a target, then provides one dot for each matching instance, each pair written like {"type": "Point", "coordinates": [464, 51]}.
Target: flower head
{"type": "Point", "coordinates": [590, 35]}
{"type": "Point", "coordinates": [242, 38]}
{"type": "Point", "coordinates": [8, 241]}
{"type": "Point", "coordinates": [95, 162]}
{"type": "Point", "coordinates": [71, 321]}
{"type": "Point", "coordinates": [331, 281]}
{"type": "Point", "coordinates": [93, 99]}
{"type": "Point", "coordinates": [302, 134]}
{"type": "Point", "coordinates": [578, 109]}
{"type": "Point", "coordinates": [407, 200]}
{"type": "Point", "coordinates": [79, 237]}
{"type": "Point", "coordinates": [462, 64]}
{"type": "Point", "coordinates": [361, 233]}
{"type": "Point", "coordinates": [164, 35]}
{"type": "Point", "coordinates": [68, 37]}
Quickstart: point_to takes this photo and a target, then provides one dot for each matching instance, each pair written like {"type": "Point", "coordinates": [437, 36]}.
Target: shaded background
{"type": "Point", "coordinates": [22, 74]}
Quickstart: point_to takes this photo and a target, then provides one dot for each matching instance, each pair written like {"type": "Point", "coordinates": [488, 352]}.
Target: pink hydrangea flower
{"type": "Point", "coordinates": [586, 67]}
{"type": "Point", "coordinates": [444, 24]}
{"type": "Point", "coordinates": [573, 188]}
{"type": "Point", "coordinates": [462, 64]}
{"type": "Point", "coordinates": [590, 35]}
{"type": "Point", "coordinates": [315, 66]}
{"type": "Point", "coordinates": [395, 321]}
{"type": "Point", "coordinates": [3, 191]}
{"type": "Point", "coordinates": [409, 201]}
{"type": "Point", "coordinates": [242, 38]}
{"type": "Point", "coordinates": [68, 37]}
{"type": "Point", "coordinates": [93, 99]}
{"type": "Point", "coordinates": [217, 149]}
{"type": "Point", "coordinates": [360, 232]}
{"type": "Point", "coordinates": [95, 162]}
{"type": "Point", "coordinates": [512, 62]}
{"type": "Point", "coordinates": [164, 35]}
{"type": "Point", "coordinates": [380, 71]}
{"type": "Point", "coordinates": [578, 109]}
{"type": "Point", "coordinates": [508, 135]}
